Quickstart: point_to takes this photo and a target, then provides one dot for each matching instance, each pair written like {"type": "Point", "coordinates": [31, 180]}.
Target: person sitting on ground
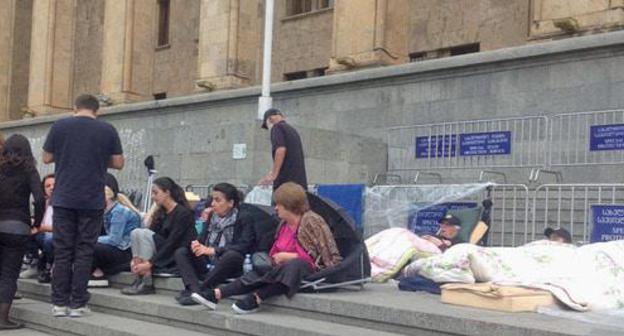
{"type": "Point", "coordinates": [447, 233]}
{"type": "Point", "coordinates": [559, 235]}
{"type": "Point", "coordinates": [19, 180]}
{"type": "Point", "coordinates": [172, 227]}
{"type": "Point", "coordinates": [304, 244]}
{"type": "Point", "coordinates": [40, 265]}
{"type": "Point", "coordinates": [112, 253]}
{"type": "Point", "coordinates": [222, 246]}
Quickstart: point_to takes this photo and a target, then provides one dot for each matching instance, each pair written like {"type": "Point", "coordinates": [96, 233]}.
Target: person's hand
{"type": "Point", "coordinates": [282, 257]}
{"type": "Point", "coordinates": [142, 268]}
{"type": "Point", "coordinates": [267, 180]}
{"type": "Point", "coordinates": [34, 230]}
{"type": "Point", "coordinates": [205, 215]}
{"type": "Point", "coordinates": [200, 250]}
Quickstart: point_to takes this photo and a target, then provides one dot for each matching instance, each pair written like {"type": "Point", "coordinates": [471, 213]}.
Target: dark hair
{"type": "Point", "coordinates": [87, 102]}
{"type": "Point", "coordinates": [230, 192]}
{"type": "Point", "coordinates": [176, 192]}
{"type": "Point", "coordinates": [45, 178]}
{"type": "Point", "coordinates": [16, 153]}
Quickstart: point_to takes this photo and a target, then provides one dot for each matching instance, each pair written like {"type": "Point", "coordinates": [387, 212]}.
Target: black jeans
{"type": "Point", "coordinates": [12, 248]}
{"type": "Point", "coordinates": [75, 234]}
{"type": "Point", "coordinates": [111, 260]}
{"type": "Point", "coordinates": [192, 268]}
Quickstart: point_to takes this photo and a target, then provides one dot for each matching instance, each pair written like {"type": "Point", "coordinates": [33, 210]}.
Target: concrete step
{"type": "Point", "coordinates": [38, 315]}
{"type": "Point", "coordinates": [379, 309]}
{"type": "Point", "coordinates": [162, 308]}
{"type": "Point", "coordinates": [24, 332]}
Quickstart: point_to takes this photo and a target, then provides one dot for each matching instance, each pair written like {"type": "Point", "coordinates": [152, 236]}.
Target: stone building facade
{"type": "Point", "coordinates": [139, 50]}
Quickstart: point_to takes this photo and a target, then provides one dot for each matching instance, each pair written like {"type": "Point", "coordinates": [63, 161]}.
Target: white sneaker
{"type": "Point", "coordinates": [79, 312]}
{"type": "Point", "coordinates": [60, 311]}
{"type": "Point", "coordinates": [30, 273]}
{"type": "Point", "coordinates": [98, 282]}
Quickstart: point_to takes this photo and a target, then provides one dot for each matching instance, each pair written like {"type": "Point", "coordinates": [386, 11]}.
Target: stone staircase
{"type": "Point", "coordinates": [377, 310]}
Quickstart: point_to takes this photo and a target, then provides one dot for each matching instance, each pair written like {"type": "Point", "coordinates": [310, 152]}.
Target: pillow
{"type": "Point", "coordinates": [468, 217]}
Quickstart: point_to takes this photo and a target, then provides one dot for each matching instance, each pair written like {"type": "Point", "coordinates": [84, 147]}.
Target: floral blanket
{"type": "Point", "coordinates": [390, 250]}
{"type": "Point", "coordinates": [584, 278]}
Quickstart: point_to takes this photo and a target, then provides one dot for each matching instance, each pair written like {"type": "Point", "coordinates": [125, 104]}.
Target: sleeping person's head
{"type": "Point", "coordinates": [449, 226]}
{"type": "Point", "coordinates": [559, 235]}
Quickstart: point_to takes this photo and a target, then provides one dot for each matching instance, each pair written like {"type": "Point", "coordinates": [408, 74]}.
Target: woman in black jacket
{"type": "Point", "coordinates": [19, 180]}
{"type": "Point", "coordinates": [221, 246]}
{"type": "Point", "coordinates": [173, 226]}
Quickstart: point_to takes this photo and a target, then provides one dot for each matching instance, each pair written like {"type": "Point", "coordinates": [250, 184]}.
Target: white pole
{"type": "Point", "coordinates": [265, 101]}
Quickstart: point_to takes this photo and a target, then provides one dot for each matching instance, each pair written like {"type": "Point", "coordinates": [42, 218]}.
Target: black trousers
{"type": "Point", "coordinates": [12, 248]}
{"type": "Point", "coordinates": [75, 234]}
{"type": "Point", "coordinates": [110, 259]}
{"type": "Point", "coordinates": [192, 268]}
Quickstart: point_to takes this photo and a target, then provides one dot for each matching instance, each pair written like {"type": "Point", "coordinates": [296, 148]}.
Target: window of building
{"type": "Point", "coordinates": [296, 7]}
{"type": "Point", "coordinates": [464, 49]}
{"type": "Point", "coordinates": [295, 75]}
{"type": "Point", "coordinates": [417, 57]}
{"type": "Point", "coordinates": [164, 7]}
{"type": "Point", "coordinates": [160, 96]}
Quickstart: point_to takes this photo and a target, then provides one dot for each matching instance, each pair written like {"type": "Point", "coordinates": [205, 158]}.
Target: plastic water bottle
{"type": "Point", "coordinates": [247, 266]}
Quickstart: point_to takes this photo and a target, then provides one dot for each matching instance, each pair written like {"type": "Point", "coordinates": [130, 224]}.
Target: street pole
{"type": "Point", "coordinates": [265, 101]}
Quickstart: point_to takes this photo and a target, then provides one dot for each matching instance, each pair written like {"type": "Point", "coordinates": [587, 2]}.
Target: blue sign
{"type": "Point", "coordinates": [425, 221]}
{"type": "Point", "coordinates": [436, 146]}
{"type": "Point", "coordinates": [606, 137]}
{"type": "Point", "coordinates": [608, 223]}
{"type": "Point", "coordinates": [490, 143]}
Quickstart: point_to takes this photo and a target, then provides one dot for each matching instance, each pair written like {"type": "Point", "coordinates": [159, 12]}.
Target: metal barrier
{"type": "Point", "coordinates": [503, 143]}
{"type": "Point", "coordinates": [509, 215]}
{"type": "Point", "coordinates": [586, 138]}
{"type": "Point", "coordinates": [568, 206]}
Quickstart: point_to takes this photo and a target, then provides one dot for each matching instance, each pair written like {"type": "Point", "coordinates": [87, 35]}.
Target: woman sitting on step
{"type": "Point", "coordinates": [172, 227]}
{"type": "Point", "coordinates": [112, 252]}
{"type": "Point", "coordinates": [221, 246]}
{"type": "Point", "coordinates": [303, 244]}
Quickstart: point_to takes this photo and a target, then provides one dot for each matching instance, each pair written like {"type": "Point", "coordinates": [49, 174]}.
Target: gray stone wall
{"type": "Point", "coordinates": [343, 118]}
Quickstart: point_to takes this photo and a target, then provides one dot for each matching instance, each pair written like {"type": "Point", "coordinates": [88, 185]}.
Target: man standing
{"type": "Point", "coordinates": [82, 149]}
{"type": "Point", "coordinates": [288, 161]}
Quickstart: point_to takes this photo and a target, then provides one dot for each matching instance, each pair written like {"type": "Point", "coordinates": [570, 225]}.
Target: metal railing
{"type": "Point", "coordinates": [586, 138]}
{"type": "Point", "coordinates": [510, 143]}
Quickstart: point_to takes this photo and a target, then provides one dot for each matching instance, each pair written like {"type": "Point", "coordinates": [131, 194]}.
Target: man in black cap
{"type": "Point", "coordinates": [288, 158]}
{"type": "Point", "coordinates": [558, 235]}
{"type": "Point", "coordinates": [447, 233]}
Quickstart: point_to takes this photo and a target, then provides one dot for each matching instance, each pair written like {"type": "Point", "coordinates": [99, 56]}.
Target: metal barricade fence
{"type": "Point", "coordinates": [509, 225]}
{"type": "Point", "coordinates": [503, 143]}
{"type": "Point", "coordinates": [586, 138]}
{"type": "Point", "coordinates": [569, 206]}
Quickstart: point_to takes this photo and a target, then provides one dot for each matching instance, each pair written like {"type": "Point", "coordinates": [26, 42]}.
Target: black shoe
{"type": "Point", "coordinates": [186, 301]}
{"type": "Point", "coordinates": [139, 288]}
{"type": "Point", "coordinates": [247, 305]}
{"type": "Point", "coordinates": [206, 298]}
{"type": "Point", "coordinates": [44, 277]}
{"type": "Point", "coordinates": [184, 293]}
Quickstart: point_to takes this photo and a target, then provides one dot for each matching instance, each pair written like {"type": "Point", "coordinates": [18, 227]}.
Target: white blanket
{"type": "Point", "coordinates": [590, 277]}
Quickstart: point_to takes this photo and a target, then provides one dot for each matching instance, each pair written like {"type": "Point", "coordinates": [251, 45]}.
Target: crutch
{"type": "Point", "coordinates": [151, 172]}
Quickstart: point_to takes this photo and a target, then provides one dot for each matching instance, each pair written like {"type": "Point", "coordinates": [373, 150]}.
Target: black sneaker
{"type": "Point", "coordinates": [247, 305]}
{"type": "Point", "coordinates": [206, 298]}
{"type": "Point", "coordinates": [44, 277]}
{"type": "Point", "coordinates": [183, 293]}
{"type": "Point", "coordinates": [186, 301]}
{"type": "Point", "coordinates": [139, 288]}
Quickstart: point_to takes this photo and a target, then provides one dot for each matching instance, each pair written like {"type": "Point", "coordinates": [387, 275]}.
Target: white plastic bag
{"type": "Point", "coordinates": [260, 195]}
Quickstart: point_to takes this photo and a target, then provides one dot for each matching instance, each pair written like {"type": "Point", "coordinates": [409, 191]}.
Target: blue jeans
{"type": "Point", "coordinates": [44, 243]}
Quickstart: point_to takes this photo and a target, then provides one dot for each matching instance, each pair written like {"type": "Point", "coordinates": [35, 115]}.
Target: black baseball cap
{"type": "Point", "coordinates": [563, 233]}
{"type": "Point", "coordinates": [450, 220]}
{"type": "Point", "coordinates": [270, 112]}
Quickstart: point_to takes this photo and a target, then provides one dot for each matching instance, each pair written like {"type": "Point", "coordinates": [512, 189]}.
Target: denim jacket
{"type": "Point", "coordinates": [119, 221]}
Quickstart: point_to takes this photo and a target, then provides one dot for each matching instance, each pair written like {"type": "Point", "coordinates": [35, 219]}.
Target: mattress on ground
{"type": "Point", "coordinates": [495, 297]}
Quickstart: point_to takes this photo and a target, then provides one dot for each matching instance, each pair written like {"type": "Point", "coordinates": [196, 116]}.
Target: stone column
{"type": "Point", "coordinates": [128, 50]}
{"type": "Point", "coordinates": [51, 56]}
{"type": "Point", "coordinates": [223, 60]}
{"type": "Point", "coordinates": [360, 35]}
{"type": "Point", "coordinates": [7, 18]}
